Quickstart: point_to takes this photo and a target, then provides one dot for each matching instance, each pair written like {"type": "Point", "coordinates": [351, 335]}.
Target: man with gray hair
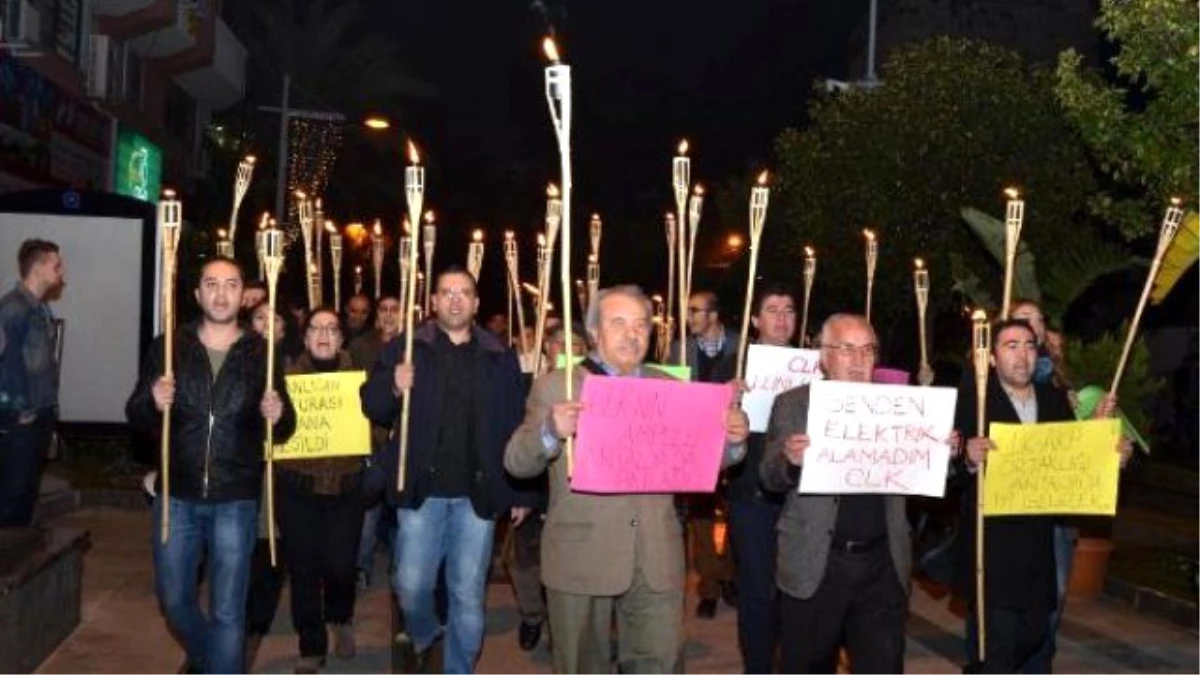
{"type": "Point", "coordinates": [606, 553]}
{"type": "Point", "coordinates": [844, 561]}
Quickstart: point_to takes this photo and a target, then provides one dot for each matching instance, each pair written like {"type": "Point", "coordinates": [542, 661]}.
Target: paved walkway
{"type": "Point", "coordinates": [122, 630]}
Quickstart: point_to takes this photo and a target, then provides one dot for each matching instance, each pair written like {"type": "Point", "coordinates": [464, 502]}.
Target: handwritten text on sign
{"type": "Point", "coordinates": [645, 435]}
{"type": "Point", "coordinates": [770, 371]}
{"type": "Point", "coordinates": [877, 438]}
{"type": "Point", "coordinates": [1057, 467]}
{"type": "Point", "coordinates": [329, 419]}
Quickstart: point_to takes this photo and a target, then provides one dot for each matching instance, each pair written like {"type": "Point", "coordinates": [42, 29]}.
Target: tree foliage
{"type": "Point", "coordinates": [1142, 129]}
{"type": "Point", "coordinates": [953, 123]}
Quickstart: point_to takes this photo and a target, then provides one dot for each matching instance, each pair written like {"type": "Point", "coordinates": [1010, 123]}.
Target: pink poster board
{"type": "Point", "coordinates": [643, 435]}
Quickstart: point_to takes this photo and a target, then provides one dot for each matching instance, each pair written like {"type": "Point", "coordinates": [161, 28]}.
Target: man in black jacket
{"type": "Point", "coordinates": [1020, 587]}
{"type": "Point", "coordinates": [467, 398]}
{"type": "Point", "coordinates": [219, 408]}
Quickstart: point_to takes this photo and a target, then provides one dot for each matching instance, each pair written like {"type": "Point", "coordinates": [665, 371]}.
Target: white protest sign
{"type": "Point", "coordinates": [770, 371]}
{"type": "Point", "coordinates": [878, 439]}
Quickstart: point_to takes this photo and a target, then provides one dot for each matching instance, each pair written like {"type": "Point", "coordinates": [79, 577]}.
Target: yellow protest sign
{"type": "Point", "coordinates": [329, 419]}
{"type": "Point", "coordinates": [1053, 468]}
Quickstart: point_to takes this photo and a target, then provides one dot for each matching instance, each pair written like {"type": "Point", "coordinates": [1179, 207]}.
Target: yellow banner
{"type": "Point", "coordinates": [329, 418]}
{"type": "Point", "coordinates": [1053, 468]}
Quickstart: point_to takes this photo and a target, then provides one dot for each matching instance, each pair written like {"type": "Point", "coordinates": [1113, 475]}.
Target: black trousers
{"type": "Point", "coordinates": [1014, 636]}
{"type": "Point", "coordinates": [320, 545]}
{"type": "Point", "coordinates": [752, 531]}
{"type": "Point", "coordinates": [22, 456]}
{"type": "Point", "coordinates": [266, 585]}
{"type": "Point", "coordinates": [859, 605]}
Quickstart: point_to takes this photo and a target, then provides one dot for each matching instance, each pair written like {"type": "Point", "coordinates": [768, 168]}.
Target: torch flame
{"type": "Point", "coordinates": [168, 194]}
{"type": "Point", "coordinates": [329, 227]}
{"type": "Point", "coordinates": [262, 223]}
{"type": "Point", "coordinates": [508, 235]}
{"type": "Point", "coordinates": [595, 217]}
{"type": "Point", "coordinates": [979, 316]}
{"type": "Point", "coordinates": [541, 240]}
{"type": "Point", "coordinates": [414, 157]}
{"type": "Point", "coordinates": [1176, 201]}
{"type": "Point", "coordinates": [429, 217]}
{"type": "Point", "coordinates": [698, 190]}
{"type": "Point", "coordinates": [1012, 193]}
{"type": "Point", "coordinates": [683, 147]}
{"type": "Point", "coordinates": [378, 228]}
{"type": "Point", "coordinates": [300, 194]}
{"type": "Point", "coordinates": [809, 252]}
{"type": "Point", "coordinates": [250, 159]}
{"type": "Point", "coordinates": [762, 177]}
{"type": "Point", "coordinates": [477, 236]}
{"type": "Point", "coordinates": [551, 50]}
{"type": "Point", "coordinates": [552, 191]}
{"type": "Point", "coordinates": [221, 233]}
{"type": "Point", "coordinates": [920, 264]}
{"type": "Point", "coordinates": [868, 234]}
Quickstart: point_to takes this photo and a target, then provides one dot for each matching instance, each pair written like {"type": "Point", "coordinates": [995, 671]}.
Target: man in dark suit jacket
{"type": "Point", "coordinates": [1020, 588]}
{"type": "Point", "coordinates": [844, 561]}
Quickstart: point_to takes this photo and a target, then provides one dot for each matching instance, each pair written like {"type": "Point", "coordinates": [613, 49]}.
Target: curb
{"type": "Point", "coordinates": [1151, 602]}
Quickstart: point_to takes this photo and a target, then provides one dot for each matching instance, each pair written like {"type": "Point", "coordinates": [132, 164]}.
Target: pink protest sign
{"type": "Point", "coordinates": [889, 376]}
{"type": "Point", "coordinates": [642, 435]}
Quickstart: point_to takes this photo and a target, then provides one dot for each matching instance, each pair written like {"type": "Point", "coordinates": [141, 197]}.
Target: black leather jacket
{"type": "Point", "coordinates": [217, 428]}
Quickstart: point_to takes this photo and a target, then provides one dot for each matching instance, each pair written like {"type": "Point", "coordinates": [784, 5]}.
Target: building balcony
{"type": "Point", "coordinates": [119, 7]}
{"type": "Point", "coordinates": [214, 72]}
{"type": "Point", "coordinates": [159, 29]}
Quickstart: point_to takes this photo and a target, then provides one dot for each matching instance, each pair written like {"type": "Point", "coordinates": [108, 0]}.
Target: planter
{"type": "Point", "coordinates": [1089, 568]}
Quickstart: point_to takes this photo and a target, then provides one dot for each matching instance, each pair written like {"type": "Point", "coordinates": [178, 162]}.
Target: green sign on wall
{"type": "Point", "coordinates": [138, 167]}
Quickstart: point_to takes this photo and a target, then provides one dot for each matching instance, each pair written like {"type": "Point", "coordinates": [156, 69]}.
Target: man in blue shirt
{"type": "Point", "coordinates": [28, 379]}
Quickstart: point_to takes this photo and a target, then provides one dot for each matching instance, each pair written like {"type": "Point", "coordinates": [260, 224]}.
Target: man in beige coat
{"type": "Point", "coordinates": [602, 553]}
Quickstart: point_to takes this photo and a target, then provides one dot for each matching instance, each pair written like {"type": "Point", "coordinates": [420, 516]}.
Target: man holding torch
{"type": "Point", "coordinates": [607, 553]}
{"type": "Point", "coordinates": [466, 396]}
{"type": "Point", "coordinates": [219, 407]}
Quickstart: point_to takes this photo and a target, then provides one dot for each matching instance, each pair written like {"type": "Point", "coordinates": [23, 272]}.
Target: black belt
{"type": "Point", "coordinates": [856, 546]}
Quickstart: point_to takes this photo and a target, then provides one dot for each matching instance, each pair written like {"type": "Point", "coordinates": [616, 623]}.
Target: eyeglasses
{"type": "Point", "coordinates": [847, 351]}
{"type": "Point", "coordinates": [700, 310]}
{"type": "Point", "coordinates": [324, 330]}
{"type": "Point", "coordinates": [449, 293]}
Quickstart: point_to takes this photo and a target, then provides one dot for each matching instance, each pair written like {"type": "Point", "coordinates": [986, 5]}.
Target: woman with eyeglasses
{"type": "Point", "coordinates": [319, 509]}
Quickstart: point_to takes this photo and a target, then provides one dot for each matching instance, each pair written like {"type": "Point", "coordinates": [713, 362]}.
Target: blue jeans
{"type": "Point", "coordinates": [444, 529]}
{"type": "Point", "coordinates": [226, 532]}
{"type": "Point", "coordinates": [1042, 660]}
{"type": "Point", "coordinates": [752, 531]}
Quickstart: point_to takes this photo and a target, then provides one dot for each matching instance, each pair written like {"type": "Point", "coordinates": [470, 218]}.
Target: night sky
{"type": "Point", "coordinates": [728, 76]}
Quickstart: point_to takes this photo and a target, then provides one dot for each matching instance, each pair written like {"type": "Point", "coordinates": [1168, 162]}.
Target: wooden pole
{"type": "Point", "coordinates": [1014, 218]}
{"type": "Point", "coordinates": [759, 195]}
{"type": "Point", "coordinates": [982, 340]}
{"type": "Point", "coordinates": [810, 273]}
{"type": "Point", "coordinates": [414, 191]}
{"type": "Point", "coordinates": [170, 220]}
{"type": "Point", "coordinates": [1170, 225]}
{"type": "Point", "coordinates": [272, 261]}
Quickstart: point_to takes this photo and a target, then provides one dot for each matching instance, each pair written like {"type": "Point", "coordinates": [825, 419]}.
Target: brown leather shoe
{"type": "Point", "coordinates": [344, 646]}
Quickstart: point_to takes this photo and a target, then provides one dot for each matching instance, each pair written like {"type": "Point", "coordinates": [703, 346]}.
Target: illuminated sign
{"type": "Point", "coordinates": [138, 168]}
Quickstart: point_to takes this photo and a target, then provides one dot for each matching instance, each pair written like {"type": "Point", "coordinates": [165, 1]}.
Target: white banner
{"type": "Point", "coordinates": [770, 371]}
{"type": "Point", "coordinates": [877, 438]}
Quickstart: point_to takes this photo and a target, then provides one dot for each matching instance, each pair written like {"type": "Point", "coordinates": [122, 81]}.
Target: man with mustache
{"type": "Point", "coordinates": [607, 553]}
{"type": "Point", "coordinates": [219, 405]}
